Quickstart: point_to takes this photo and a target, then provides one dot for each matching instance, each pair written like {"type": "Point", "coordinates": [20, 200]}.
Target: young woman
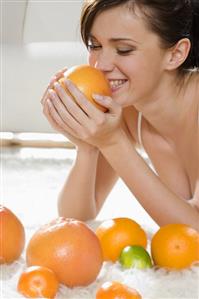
{"type": "Point", "coordinates": [149, 52]}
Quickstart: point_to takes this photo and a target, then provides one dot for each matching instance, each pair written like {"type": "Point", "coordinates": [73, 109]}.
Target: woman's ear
{"type": "Point", "coordinates": [178, 54]}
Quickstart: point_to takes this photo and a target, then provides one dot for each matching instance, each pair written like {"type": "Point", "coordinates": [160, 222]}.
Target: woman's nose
{"type": "Point", "coordinates": [104, 62]}
{"type": "Point", "coordinates": [104, 66]}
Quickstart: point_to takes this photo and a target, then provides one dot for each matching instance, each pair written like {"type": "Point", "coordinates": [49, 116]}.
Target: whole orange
{"type": "Point", "coordinates": [117, 233]}
{"type": "Point", "coordinates": [175, 246]}
{"type": "Point", "coordinates": [38, 282]}
{"type": "Point", "coordinates": [12, 236]}
{"type": "Point", "coordinates": [89, 80]}
{"type": "Point", "coordinates": [116, 290]}
{"type": "Point", "coordinates": [69, 248]}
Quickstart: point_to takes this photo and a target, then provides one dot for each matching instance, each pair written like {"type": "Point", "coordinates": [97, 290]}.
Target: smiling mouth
{"type": "Point", "coordinates": [116, 84]}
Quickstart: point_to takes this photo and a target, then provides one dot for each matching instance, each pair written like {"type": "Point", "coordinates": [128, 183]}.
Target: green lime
{"type": "Point", "coordinates": [135, 256]}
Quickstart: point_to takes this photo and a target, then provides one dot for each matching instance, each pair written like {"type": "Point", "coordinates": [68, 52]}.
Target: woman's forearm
{"type": "Point", "coordinates": [77, 197]}
{"type": "Point", "coordinates": [163, 205]}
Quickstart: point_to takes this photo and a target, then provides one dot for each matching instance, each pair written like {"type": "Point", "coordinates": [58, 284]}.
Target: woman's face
{"type": "Point", "coordinates": [128, 53]}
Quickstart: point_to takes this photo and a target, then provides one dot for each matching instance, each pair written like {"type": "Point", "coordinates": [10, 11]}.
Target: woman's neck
{"type": "Point", "coordinates": [166, 110]}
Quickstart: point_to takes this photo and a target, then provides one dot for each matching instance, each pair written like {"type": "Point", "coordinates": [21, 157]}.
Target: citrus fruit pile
{"type": "Point", "coordinates": [124, 240]}
{"type": "Point", "coordinates": [115, 234]}
{"type": "Point", "coordinates": [67, 251]}
{"type": "Point", "coordinates": [173, 246]}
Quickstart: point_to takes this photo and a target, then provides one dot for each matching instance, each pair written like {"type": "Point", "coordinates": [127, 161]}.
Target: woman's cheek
{"type": "Point", "coordinates": [92, 59]}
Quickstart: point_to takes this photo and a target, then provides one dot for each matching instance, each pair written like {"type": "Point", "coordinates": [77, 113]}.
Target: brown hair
{"type": "Point", "coordinates": [170, 19]}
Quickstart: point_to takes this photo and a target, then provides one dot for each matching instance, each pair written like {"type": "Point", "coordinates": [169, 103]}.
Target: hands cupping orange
{"type": "Point", "coordinates": [82, 116]}
{"type": "Point", "coordinates": [86, 121]}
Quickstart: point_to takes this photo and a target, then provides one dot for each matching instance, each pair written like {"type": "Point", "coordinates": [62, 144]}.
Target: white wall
{"type": "Point", "coordinates": [38, 38]}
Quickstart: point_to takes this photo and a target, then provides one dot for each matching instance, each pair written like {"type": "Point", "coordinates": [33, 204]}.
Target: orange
{"type": "Point", "coordinates": [175, 246]}
{"type": "Point", "coordinates": [12, 236]}
{"type": "Point", "coordinates": [89, 80]}
{"type": "Point", "coordinates": [115, 234]}
{"type": "Point", "coordinates": [116, 290]}
{"type": "Point", "coordinates": [69, 248]}
{"type": "Point", "coordinates": [38, 282]}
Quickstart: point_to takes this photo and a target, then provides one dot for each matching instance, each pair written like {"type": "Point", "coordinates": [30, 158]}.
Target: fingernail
{"type": "Point", "coordinates": [56, 85]}
{"type": "Point", "coordinates": [51, 92]}
{"type": "Point", "coordinates": [98, 97]}
{"type": "Point", "coordinates": [49, 102]}
{"type": "Point", "coordinates": [52, 79]}
{"type": "Point", "coordinates": [68, 82]}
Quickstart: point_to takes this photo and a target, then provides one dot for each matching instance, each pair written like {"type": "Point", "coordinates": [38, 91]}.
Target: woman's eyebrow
{"type": "Point", "coordinates": [116, 39]}
{"type": "Point", "coordinates": [119, 39]}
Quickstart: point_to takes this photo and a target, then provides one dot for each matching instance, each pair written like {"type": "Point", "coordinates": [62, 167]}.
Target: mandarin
{"type": "Point", "coordinates": [38, 282]}
{"type": "Point", "coordinates": [89, 80]}
{"type": "Point", "coordinates": [175, 246]}
{"type": "Point", "coordinates": [117, 233]}
{"type": "Point", "coordinates": [69, 248]}
{"type": "Point", "coordinates": [12, 236]}
{"type": "Point", "coordinates": [116, 290]}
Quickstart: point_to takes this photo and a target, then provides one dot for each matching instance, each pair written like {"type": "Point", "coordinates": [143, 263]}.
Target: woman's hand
{"type": "Point", "coordinates": [54, 118]}
{"type": "Point", "coordinates": [56, 77]}
{"type": "Point", "coordinates": [82, 119]}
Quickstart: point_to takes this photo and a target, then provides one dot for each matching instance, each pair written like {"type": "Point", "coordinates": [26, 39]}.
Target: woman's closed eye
{"type": "Point", "coordinates": [124, 51]}
{"type": "Point", "coordinates": [93, 47]}
{"type": "Point", "coordinates": [120, 50]}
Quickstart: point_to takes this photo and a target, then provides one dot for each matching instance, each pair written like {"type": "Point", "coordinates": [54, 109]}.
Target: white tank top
{"type": "Point", "coordinates": [139, 129]}
{"type": "Point", "coordinates": [142, 151]}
